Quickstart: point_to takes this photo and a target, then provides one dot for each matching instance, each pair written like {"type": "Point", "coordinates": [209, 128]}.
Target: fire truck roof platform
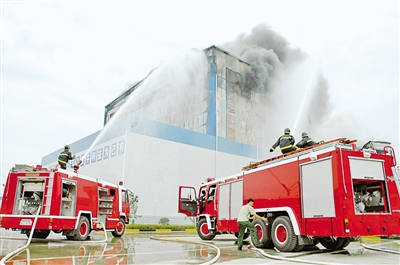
{"type": "Point", "coordinates": [341, 143]}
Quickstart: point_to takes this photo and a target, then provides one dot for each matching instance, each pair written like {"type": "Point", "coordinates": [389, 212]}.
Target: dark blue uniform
{"type": "Point", "coordinates": [64, 157]}
{"type": "Point", "coordinates": [305, 142]}
{"type": "Point", "coordinates": [286, 143]}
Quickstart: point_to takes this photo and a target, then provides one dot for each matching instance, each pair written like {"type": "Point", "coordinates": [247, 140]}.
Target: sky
{"type": "Point", "coordinates": [62, 62]}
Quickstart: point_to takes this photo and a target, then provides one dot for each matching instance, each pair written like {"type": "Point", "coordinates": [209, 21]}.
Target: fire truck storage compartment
{"type": "Point", "coordinates": [317, 187]}
{"type": "Point", "coordinates": [230, 199]}
{"type": "Point", "coordinates": [105, 201]}
{"type": "Point", "coordinates": [369, 186]}
{"type": "Point", "coordinates": [29, 195]}
{"type": "Point", "coordinates": [68, 198]}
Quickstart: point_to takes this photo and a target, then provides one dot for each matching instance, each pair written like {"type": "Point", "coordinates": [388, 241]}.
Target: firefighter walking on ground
{"type": "Point", "coordinates": [306, 141]}
{"type": "Point", "coordinates": [285, 142]}
{"type": "Point", "coordinates": [246, 214]}
{"type": "Point", "coordinates": [64, 157]}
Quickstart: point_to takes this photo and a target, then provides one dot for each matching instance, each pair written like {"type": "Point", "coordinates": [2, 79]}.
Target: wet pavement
{"type": "Point", "coordinates": [182, 248]}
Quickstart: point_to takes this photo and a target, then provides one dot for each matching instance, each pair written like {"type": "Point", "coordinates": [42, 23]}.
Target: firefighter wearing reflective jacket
{"type": "Point", "coordinates": [64, 157]}
{"type": "Point", "coordinates": [285, 142]}
{"type": "Point", "coordinates": [305, 141]}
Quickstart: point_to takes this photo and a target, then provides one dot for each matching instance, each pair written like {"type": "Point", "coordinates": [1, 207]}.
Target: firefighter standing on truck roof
{"type": "Point", "coordinates": [246, 214]}
{"type": "Point", "coordinates": [306, 141]}
{"type": "Point", "coordinates": [285, 142]}
{"type": "Point", "coordinates": [64, 157]}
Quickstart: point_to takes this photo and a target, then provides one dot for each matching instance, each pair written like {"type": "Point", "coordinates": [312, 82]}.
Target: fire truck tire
{"type": "Point", "coordinates": [333, 244]}
{"type": "Point", "coordinates": [203, 231]}
{"type": "Point", "coordinates": [119, 229]}
{"type": "Point", "coordinates": [283, 235]}
{"type": "Point", "coordinates": [83, 229]}
{"type": "Point", "coordinates": [298, 248]}
{"type": "Point", "coordinates": [43, 234]}
{"type": "Point", "coordinates": [346, 242]}
{"type": "Point", "coordinates": [263, 233]}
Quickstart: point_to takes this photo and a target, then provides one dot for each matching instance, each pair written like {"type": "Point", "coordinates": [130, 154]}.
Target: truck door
{"type": "Point", "coordinates": [125, 203]}
{"type": "Point", "coordinates": [186, 201]}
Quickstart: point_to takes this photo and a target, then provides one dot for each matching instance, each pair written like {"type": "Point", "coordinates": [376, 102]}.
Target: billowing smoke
{"type": "Point", "coordinates": [267, 52]}
{"type": "Point", "coordinates": [296, 92]}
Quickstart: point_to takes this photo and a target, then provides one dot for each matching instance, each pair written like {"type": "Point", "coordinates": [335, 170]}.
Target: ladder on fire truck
{"type": "Point", "coordinates": [300, 150]}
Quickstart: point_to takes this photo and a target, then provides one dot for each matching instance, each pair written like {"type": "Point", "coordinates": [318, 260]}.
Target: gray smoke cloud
{"type": "Point", "coordinates": [278, 70]}
{"type": "Point", "coordinates": [268, 53]}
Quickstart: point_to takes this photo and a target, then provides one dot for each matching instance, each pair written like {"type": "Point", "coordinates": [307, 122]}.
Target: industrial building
{"type": "Point", "coordinates": [193, 118]}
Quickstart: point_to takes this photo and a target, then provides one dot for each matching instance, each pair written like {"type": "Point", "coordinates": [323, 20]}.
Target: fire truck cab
{"type": "Point", "coordinates": [329, 193]}
{"type": "Point", "coordinates": [62, 201]}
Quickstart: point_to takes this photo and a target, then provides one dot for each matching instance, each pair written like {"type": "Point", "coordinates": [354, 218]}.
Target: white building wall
{"type": "Point", "coordinates": [154, 168]}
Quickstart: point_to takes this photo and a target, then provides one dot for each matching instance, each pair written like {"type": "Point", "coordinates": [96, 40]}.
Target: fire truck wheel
{"type": "Point", "coordinates": [119, 229]}
{"type": "Point", "coordinates": [203, 231]}
{"type": "Point", "coordinates": [283, 235]}
{"type": "Point", "coordinates": [83, 229]}
{"type": "Point", "coordinates": [43, 234]}
{"type": "Point", "coordinates": [263, 233]}
{"type": "Point", "coordinates": [333, 244]}
{"type": "Point", "coordinates": [298, 248]}
{"type": "Point", "coordinates": [346, 242]}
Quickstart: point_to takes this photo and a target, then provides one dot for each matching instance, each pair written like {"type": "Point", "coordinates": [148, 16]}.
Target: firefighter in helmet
{"type": "Point", "coordinates": [64, 157]}
{"type": "Point", "coordinates": [201, 200]}
{"type": "Point", "coordinates": [306, 141]}
{"type": "Point", "coordinates": [285, 142]}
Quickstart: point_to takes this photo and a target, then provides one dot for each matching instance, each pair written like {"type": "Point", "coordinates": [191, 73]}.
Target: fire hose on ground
{"type": "Point", "coordinates": [379, 249]}
{"type": "Point", "coordinates": [25, 247]}
{"type": "Point", "coordinates": [18, 250]}
{"type": "Point", "coordinates": [212, 261]}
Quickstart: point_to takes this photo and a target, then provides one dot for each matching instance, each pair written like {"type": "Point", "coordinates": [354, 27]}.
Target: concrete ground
{"type": "Point", "coordinates": [182, 248]}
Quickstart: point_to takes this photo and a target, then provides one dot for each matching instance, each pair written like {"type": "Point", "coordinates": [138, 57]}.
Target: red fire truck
{"type": "Point", "coordinates": [329, 193]}
{"type": "Point", "coordinates": [63, 202]}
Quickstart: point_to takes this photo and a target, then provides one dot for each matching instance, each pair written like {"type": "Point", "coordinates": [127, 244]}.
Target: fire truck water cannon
{"type": "Point", "coordinates": [328, 193]}
{"type": "Point", "coordinates": [65, 203]}
{"type": "Point", "coordinates": [77, 166]}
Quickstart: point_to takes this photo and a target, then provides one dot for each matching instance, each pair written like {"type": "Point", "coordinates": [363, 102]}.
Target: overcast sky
{"type": "Point", "coordinates": [62, 62]}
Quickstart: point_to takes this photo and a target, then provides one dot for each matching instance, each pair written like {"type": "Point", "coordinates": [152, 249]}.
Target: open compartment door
{"type": "Point", "coordinates": [186, 201]}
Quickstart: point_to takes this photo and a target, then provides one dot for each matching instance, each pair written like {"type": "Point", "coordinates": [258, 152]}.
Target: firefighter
{"type": "Point", "coordinates": [285, 142]}
{"type": "Point", "coordinates": [305, 141]}
{"type": "Point", "coordinates": [202, 196]}
{"type": "Point", "coordinates": [201, 200]}
{"type": "Point", "coordinates": [246, 214]}
{"type": "Point", "coordinates": [64, 157]}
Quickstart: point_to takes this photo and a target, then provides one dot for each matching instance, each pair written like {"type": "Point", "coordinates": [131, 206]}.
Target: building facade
{"type": "Point", "coordinates": [195, 117]}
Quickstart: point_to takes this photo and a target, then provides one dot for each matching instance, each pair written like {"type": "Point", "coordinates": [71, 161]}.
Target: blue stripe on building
{"type": "Point", "coordinates": [160, 131]}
